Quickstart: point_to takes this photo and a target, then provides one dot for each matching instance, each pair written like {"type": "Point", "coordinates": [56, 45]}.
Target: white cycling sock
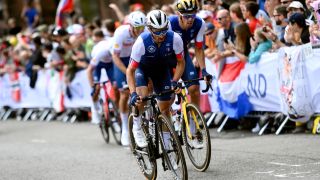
{"type": "Point", "coordinates": [124, 119]}
{"type": "Point", "coordinates": [136, 122]}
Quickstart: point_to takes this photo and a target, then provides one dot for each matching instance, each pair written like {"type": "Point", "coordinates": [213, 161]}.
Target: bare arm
{"type": "Point", "coordinates": [117, 61]}
{"type": "Point", "coordinates": [89, 74]}
{"type": "Point", "coordinates": [118, 12]}
{"type": "Point", "coordinates": [179, 69]}
{"type": "Point", "coordinates": [241, 56]}
{"type": "Point", "coordinates": [199, 53]}
{"type": "Point", "coordinates": [130, 79]}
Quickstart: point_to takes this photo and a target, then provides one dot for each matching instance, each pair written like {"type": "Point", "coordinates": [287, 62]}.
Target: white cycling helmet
{"type": "Point", "coordinates": [137, 19]}
{"type": "Point", "coordinates": [157, 19]}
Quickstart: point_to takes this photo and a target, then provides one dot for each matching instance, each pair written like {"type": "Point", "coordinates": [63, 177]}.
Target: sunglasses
{"type": "Point", "coordinates": [162, 32]}
{"type": "Point", "coordinates": [139, 28]}
{"type": "Point", "coordinates": [187, 16]}
{"type": "Point", "coordinates": [221, 18]}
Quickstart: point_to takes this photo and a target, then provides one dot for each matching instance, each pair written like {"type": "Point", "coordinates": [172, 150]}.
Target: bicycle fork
{"type": "Point", "coordinates": [185, 117]}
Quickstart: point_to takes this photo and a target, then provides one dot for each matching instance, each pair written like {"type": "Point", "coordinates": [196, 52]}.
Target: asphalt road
{"type": "Point", "coordinates": [55, 150]}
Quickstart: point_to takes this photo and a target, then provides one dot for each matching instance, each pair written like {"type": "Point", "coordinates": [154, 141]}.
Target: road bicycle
{"type": "Point", "coordinates": [108, 113]}
{"type": "Point", "coordinates": [157, 127]}
{"type": "Point", "coordinates": [190, 123]}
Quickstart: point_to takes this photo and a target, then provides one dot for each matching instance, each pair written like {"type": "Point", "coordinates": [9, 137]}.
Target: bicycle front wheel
{"type": "Point", "coordinates": [104, 126]}
{"type": "Point", "coordinates": [147, 165]}
{"type": "Point", "coordinates": [198, 146]}
{"type": "Point", "coordinates": [171, 149]}
{"type": "Point", "coordinates": [115, 121]}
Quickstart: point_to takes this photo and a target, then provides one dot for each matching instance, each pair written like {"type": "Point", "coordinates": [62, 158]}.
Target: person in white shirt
{"type": "Point", "coordinates": [124, 38]}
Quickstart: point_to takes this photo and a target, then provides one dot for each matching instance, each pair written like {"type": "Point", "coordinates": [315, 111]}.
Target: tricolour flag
{"type": "Point", "coordinates": [65, 6]}
{"type": "Point", "coordinates": [232, 99]}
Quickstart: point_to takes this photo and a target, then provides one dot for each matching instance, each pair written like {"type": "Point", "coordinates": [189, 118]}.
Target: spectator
{"type": "Point", "coordinates": [242, 47]}
{"type": "Point", "coordinates": [280, 17]}
{"type": "Point", "coordinates": [89, 28]}
{"type": "Point", "coordinates": [298, 31]}
{"type": "Point", "coordinates": [109, 26]}
{"type": "Point", "coordinates": [168, 9]}
{"type": "Point", "coordinates": [285, 2]}
{"type": "Point", "coordinates": [236, 13]}
{"type": "Point", "coordinates": [14, 29]}
{"type": "Point", "coordinates": [261, 14]}
{"type": "Point", "coordinates": [30, 14]}
{"type": "Point", "coordinates": [270, 5]}
{"type": "Point", "coordinates": [209, 40]}
{"type": "Point", "coordinates": [295, 7]}
{"type": "Point", "coordinates": [249, 12]}
{"type": "Point", "coordinates": [205, 15]}
{"type": "Point", "coordinates": [37, 60]}
{"type": "Point", "coordinates": [212, 6]}
{"type": "Point", "coordinates": [259, 44]}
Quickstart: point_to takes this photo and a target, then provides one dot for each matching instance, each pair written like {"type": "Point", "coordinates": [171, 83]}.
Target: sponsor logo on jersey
{"type": "Point", "coordinates": [151, 49]}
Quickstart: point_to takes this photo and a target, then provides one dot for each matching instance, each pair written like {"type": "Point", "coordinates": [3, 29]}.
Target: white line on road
{"type": "Point", "coordinates": [268, 172]}
{"type": "Point", "coordinates": [284, 164]}
{"type": "Point", "coordinates": [38, 141]}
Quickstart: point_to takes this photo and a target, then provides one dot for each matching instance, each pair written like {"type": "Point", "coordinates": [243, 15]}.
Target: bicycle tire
{"type": "Point", "coordinates": [113, 113]}
{"type": "Point", "coordinates": [199, 165]}
{"type": "Point", "coordinates": [176, 148]}
{"type": "Point", "coordinates": [104, 126]}
{"type": "Point", "coordinates": [150, 174]}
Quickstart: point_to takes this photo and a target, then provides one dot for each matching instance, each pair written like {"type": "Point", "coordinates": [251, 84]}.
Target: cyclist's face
{"type": "Point", "coordinates": [159, 35]}
{"type": "Point", "coordinates": [137, 30]}
{"type": "Point", "coordinates": [187, 19]}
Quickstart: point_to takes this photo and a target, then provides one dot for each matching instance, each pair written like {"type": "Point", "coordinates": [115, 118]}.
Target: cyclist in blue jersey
{"type": "Point", "coordinates": [190, 27]}
{"type": "Point", "coordinates": [149, 60]}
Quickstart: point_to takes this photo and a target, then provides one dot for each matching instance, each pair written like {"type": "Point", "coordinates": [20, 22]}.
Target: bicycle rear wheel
{"type": "Point", "coordinates": [147, 166]}
{"type": "Point", "coordinates": [199, 146]}
{"type": "Point", "coordinates": [104, 126]}
{"type": "Point", "coordinates": [171, 149]}
{"type": "Point", "coordinates": [114, 121]}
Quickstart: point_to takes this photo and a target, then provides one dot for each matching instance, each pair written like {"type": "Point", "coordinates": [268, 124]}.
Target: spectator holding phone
{"type": "Point", "coordinates": [259, 44]}
{"type": "Point", "coordinates": [241, 48]}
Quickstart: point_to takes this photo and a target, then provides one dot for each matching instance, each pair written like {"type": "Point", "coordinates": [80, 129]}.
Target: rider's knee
{"type": "Point", "coordinates": [194, 91]}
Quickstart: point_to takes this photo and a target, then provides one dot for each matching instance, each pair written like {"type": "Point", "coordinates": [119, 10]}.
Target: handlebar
{"type": "Point", "coordinates": [179, 96]}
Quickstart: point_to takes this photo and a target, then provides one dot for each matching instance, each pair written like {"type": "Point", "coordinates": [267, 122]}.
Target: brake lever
{"type": "Point", "coordinates": [207, 88]}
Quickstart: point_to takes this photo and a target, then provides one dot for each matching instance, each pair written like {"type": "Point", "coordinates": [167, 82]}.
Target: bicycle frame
{"type": "Point", "coordinates": [184, 103]}
{"type": "Point", "coordinates": [105, 104]}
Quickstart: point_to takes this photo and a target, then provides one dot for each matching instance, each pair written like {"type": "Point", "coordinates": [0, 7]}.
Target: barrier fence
{"type": "Point", "coordinates": [282, 81]}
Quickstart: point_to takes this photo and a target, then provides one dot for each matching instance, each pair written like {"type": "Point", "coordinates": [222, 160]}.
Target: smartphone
{"type": "Point", "coordinates": [264, 29]}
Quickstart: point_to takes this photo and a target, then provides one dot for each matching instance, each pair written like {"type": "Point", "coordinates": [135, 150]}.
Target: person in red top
{"type": "Point", "coordinates": [249, 13]}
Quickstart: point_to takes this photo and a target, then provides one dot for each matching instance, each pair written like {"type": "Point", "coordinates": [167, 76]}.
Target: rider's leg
{"type": "Point", "coordinates": [194, 93]}
{"type": "Point", "coordinates": [123, 107]}
{"type": "Point", "coordinates": [120, 78]}
{"type": "Point", "coordinates": [193, 88]}
{"type": "Point", "coordinates": [136, 128]}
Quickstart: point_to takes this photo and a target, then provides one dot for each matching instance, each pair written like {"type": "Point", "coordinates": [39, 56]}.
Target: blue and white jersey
{"type": "Point", "coordinates": [147, 54]}
{"type": "Point", "coordinates": [195, 32]}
